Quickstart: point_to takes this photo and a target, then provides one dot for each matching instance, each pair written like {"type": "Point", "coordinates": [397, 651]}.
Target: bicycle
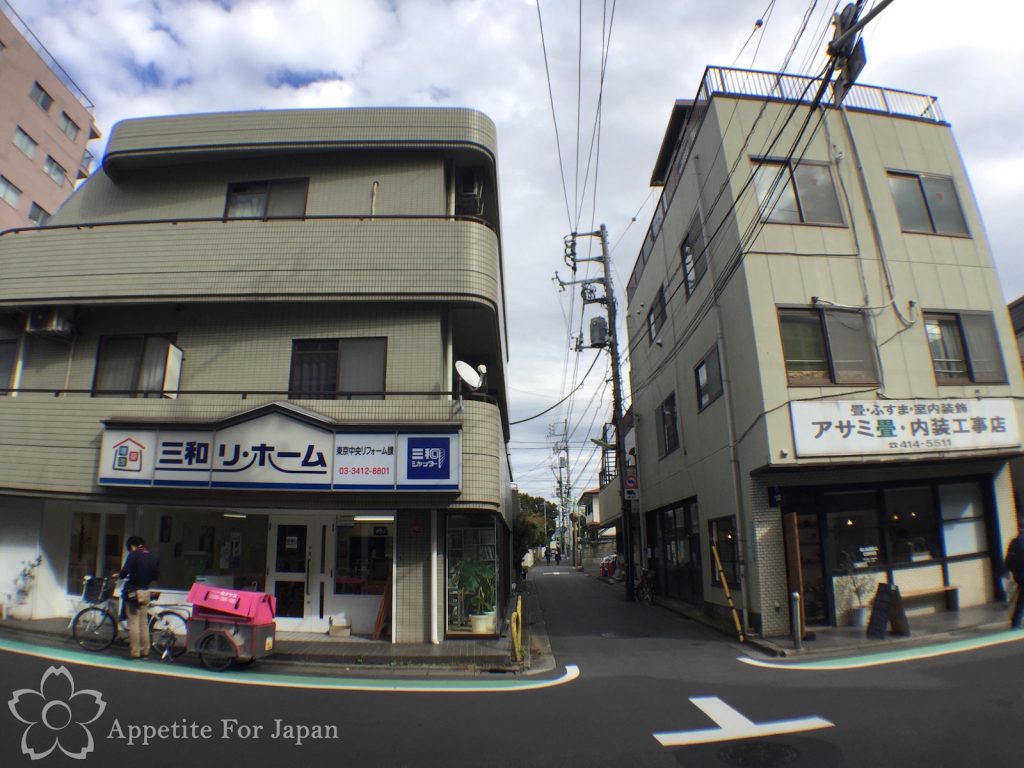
{"type": "Point", "coordinates": [96, 627]}
{"type": "Point", "coordinates": [644, 589]}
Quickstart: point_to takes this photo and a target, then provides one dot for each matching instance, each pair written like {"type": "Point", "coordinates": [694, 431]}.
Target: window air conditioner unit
{"type": "Point", "coordinates": [50, 321]}
{"type": "Point", "coordinates": [469, 194]}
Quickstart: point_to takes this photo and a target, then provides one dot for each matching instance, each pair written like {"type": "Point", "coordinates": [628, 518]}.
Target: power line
{"type": "Point", "coordinates": [554, 117]}
{"type": "Point", "coordinates": [548, 410]}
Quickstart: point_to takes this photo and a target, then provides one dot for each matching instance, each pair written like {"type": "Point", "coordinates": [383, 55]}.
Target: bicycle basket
{"type": "Point", "coordinates": [97, 589]}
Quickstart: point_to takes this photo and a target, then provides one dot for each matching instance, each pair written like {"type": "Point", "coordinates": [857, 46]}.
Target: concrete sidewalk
{"type": "Point", "coordinates": [465, 655]}
{"type": "Point", "coordinates": [925, 628]}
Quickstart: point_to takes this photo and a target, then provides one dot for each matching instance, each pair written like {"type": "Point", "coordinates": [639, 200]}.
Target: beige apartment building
{"type": "Point", "coordinates": [273, 344]}
{"type": "Point", "coordinates": [824, 375]}
{"type": "Point", "coordinates": [46, 123]}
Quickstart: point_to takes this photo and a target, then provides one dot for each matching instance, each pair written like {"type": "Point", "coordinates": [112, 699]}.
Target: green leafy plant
{"type": "Point", "coordinates": [477, 578]}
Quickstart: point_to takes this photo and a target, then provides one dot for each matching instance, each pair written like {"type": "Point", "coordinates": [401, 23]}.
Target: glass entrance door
{"type": "Point", "coordinates": [299, 571]}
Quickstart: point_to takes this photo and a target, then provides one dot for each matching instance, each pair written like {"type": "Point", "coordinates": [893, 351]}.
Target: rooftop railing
{"type": "Point", "coordinates": [771, 86]}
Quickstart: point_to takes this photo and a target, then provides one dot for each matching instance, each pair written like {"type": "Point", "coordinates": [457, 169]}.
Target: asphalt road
{"type": "Point", "coordinates": [642, 671]}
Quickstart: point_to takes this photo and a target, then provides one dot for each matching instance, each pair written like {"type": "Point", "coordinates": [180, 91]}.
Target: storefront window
{"type": "Point", "coordinates": [362, 558]}
{"type": "Point", "coordinates": [853, 536]}
{"type": "Point", "coordinates": [221, 548]}
{"type": "Point", "coordinates": [913, 533]}
{"type": "Point", "coordinates": [97, 542]}
{"type": "Point", "coordinates": [471, 559]}
{"type": "Point", "coordinates": [963, 522]}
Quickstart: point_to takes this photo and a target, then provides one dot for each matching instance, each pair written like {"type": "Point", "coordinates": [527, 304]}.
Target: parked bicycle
{"type": "Point", "coordinates": [644, 588]}
{"type": "Point", "coordinates": [97, 626]}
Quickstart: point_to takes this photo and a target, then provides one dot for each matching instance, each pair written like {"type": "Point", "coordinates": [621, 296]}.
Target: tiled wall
{"type": "Point", "coordinates": [412, 560]}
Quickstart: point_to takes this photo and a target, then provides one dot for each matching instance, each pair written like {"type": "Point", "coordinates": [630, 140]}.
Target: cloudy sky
{"type": "Point", "coordinates": [136, 58]}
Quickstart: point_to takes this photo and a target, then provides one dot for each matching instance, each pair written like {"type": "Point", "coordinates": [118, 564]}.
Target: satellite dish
{"type": "Point", "coordinates": [468, 374]}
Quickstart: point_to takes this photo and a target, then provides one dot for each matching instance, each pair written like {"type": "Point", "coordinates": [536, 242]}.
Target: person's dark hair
{"type": "Point", "coordinates": [134, 541]}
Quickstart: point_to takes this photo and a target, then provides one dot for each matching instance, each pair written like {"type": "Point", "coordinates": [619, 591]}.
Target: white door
{"type": "Point", "coordinates": [299, 563]}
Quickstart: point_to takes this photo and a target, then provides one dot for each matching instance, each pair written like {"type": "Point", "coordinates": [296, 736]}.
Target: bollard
{"type": "Point", "coordinates": [794, 620]}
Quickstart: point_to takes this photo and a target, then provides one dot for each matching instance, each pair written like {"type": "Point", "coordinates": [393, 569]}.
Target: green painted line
{"type": "Point", "coordinates": [891, 657]}
{"type": "Point", "coordinates": [248, 677]}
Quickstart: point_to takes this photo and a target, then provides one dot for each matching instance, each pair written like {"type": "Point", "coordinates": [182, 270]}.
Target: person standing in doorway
{"type": "Point", "coordinates": [140, 569]}
{"type": "Point", "coordinates": [1015, 566]}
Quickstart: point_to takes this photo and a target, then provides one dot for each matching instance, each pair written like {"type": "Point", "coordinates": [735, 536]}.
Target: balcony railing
{"type": "Point", "coordinates": [321, 257]}
{"type": "Point", "coordinates": [245, 394]}
{"type": "Point", "coordinates": [771, 86]}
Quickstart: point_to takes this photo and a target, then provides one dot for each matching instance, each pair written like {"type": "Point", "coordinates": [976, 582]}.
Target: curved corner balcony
{"type": "Point", "coordinates": [330, 258]}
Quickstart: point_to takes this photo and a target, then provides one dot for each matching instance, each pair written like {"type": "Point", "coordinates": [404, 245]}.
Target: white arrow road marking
{"type": "Point", "coordinates": [732, 725]}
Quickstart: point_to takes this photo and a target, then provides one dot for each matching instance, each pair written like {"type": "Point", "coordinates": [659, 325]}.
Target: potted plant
{"type": "Point", "coordinates": [477, 578]}
{"type": "Point", "coordinates": [860, 583]}
{"type": "Point", "coordinates": [22, 608]}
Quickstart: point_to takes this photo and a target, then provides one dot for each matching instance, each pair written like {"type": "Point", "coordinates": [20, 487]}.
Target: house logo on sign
{"type": "Point", "coordinates": [128, 456]}
{"type": "Point", "coordinates": [428, 458]}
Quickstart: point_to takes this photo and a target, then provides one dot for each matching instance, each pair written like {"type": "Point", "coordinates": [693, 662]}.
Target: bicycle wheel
{"type": "Point", "coordinates": [93, 628]}
{"type": "Point", "coordinates": [167, 631]}
{"type": "Point", "coordinates": [643, 593]}
{"type": "Point", "coordinates": [216, 651]}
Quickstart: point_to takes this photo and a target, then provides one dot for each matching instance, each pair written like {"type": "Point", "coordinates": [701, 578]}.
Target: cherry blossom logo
{"type": "Point", "coordinates": [56, 716]}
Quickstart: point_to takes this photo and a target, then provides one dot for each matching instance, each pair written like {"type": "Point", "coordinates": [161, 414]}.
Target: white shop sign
{"type": "Point", "coordinates": [277, 452]}
{"type": "Point", "coordinates": [866, 427]}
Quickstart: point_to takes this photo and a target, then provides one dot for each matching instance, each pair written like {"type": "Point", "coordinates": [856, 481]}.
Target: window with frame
{"type": "Point", "coordinates": [927, 204]}
{"type": "Point", "coordinates": [68, 126]}
{"type": "Point", "coordinates": [964, 348]}
{"type": "Point", "coordinates": [911, 525]}
{"type": "Point", "coordinates": [55, 170]}
{"type": "Point", "coordinates": [134, 365]}
{"type": "Point", "coordinates": [97, 541]}
{"type": "Point", "coordinates": [963, 519]}
{"type": "Point", "coordinates": [275, 199]}
{"type": "Point", "coordinates": [9, 193]}
{"type": "Point", "coordinates": [723, 537]}
{"type": "Point", "coordinates": [24, 142]}
{"type": "Point", "coordinates": [39, 95]}
{"type": "Point", "coordinates": [826, 346]}
{"type": "Point", "coordinates": [38, 215]}
{"type": "Point", "coordinates": [708, 375]}
{"type": "Point", "coordinates": [796, 193]}
{"type": "Point", "coordinates": [853, 534]}
{"type": "Point", "coordinates": [668, 431]}
{"type": "Point", "coordinates": [695, 257]}
{"type": "Point", "coordinates": [656, 316]}
{"type": "Point", "coordinates": [346, 369]}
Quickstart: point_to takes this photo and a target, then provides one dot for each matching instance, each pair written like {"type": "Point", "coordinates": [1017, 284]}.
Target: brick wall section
{"type": "Point", "coordinates": [412, 593]}
{"type": "Point", "coordinates": [770, 566]}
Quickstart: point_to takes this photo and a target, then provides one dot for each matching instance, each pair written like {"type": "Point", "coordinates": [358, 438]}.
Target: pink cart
{"type": "Point", "coordinates": [230, 625]}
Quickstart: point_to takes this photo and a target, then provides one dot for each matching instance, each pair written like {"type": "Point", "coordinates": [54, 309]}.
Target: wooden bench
{"type": "Point", "coordinates": [950, 593]}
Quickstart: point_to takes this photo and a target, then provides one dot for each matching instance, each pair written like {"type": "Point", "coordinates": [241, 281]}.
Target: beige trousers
{"type": "Point", "coordinates": [138, 630]}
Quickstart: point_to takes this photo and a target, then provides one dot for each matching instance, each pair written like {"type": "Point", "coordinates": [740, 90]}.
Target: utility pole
{"type": "Point", "coordinates": [590, 297]}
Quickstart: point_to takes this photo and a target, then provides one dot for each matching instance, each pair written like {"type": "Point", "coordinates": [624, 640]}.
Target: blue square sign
{"type": "Point", "coordinates": [429, 458]}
